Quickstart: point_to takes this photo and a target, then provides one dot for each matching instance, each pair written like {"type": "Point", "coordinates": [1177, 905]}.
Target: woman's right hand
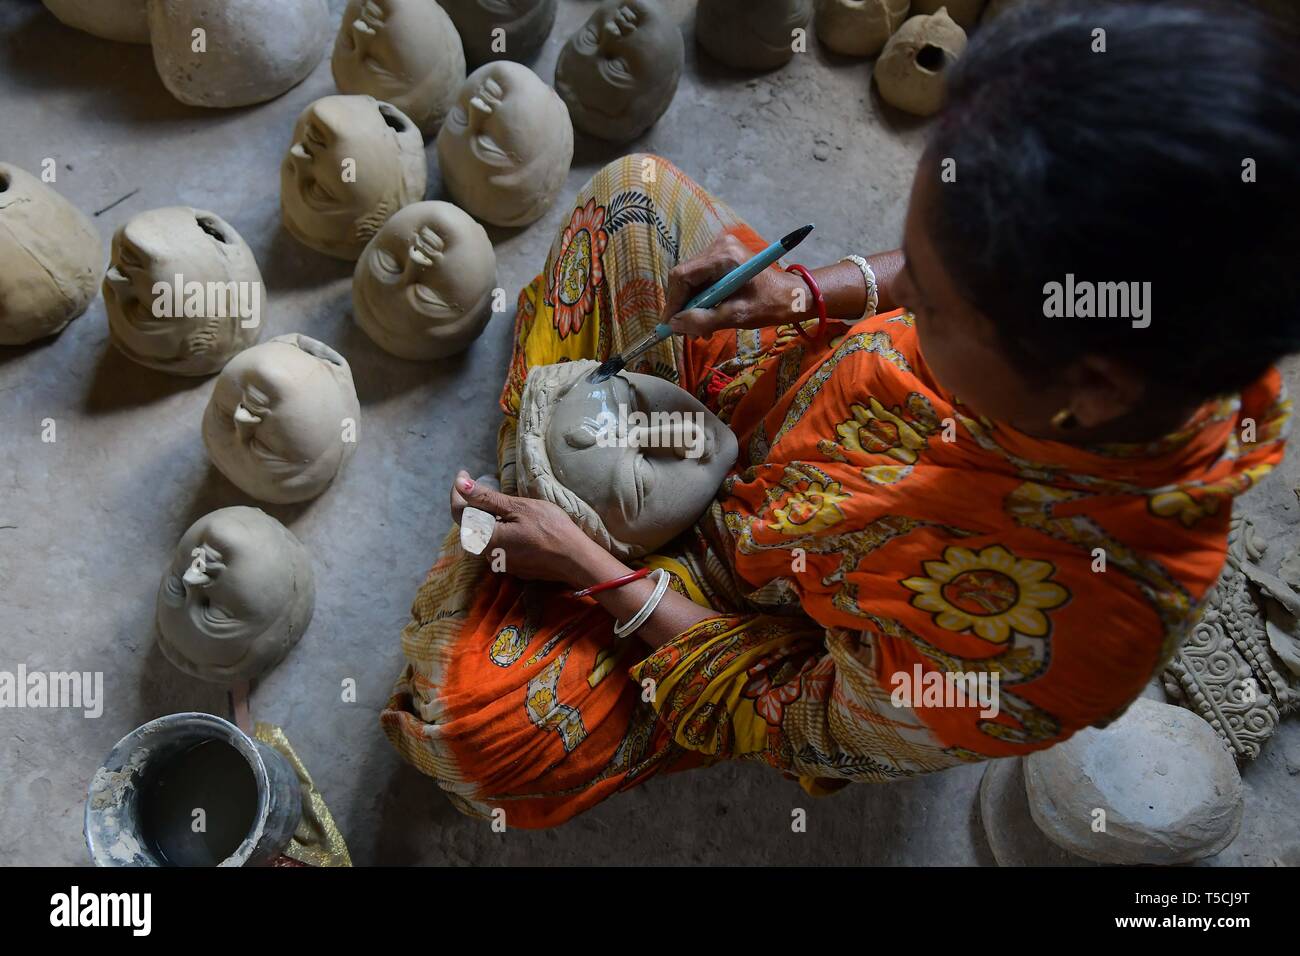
{"type": "Point", "coordinates": [767, 299]}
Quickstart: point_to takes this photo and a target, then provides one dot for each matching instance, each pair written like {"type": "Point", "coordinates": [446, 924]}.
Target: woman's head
{"type": "Point", "coordinates": [1093, 151]}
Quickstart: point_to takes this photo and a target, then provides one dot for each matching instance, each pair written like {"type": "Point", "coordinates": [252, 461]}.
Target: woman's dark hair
{"type": "Point", "coordinates": [1129, 165]}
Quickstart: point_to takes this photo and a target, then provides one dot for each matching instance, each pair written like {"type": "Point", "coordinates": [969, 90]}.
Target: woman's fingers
{"type": "Point", "coordinates": [483, 497]}
{"type": "Point", "coordinates": [457, 500]}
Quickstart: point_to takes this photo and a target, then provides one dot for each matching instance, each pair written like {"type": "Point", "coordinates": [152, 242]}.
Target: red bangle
{"type": "Point", "coordinates": [617, 582]}
{"type": "Point", "coordinates": [818, 299]}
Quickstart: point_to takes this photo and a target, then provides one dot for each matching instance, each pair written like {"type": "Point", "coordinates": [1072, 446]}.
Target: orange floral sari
{"type": "Point", "coordinates": [901, 585]}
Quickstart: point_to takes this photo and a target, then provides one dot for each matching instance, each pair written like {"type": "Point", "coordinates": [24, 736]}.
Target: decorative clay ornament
{"type": "Point", "coordinates": [858, 27]}
{"type": "Point", "coordinates": [634, 460]}
{"type": "Point", "coordinates": [183, 292]}
{"type": "Point", "coordinates": [236, 596]}
{"type": "Point", "coordinates": [751, 34]}
{"type": "Point", "coordinates": [423, 287]}
{"type": "Point", "coordinates": [619, 72]}
{"type": "Point", "coordinates": [354, 162]}
{"type": "Point", "coordinates": [501, 29]}
{"type": "Point", "coordinates": [506, 146]}
{"type": "Point", "coordinates": [283, 418]}
{"type": "Point", "coordinates": [404, 52]}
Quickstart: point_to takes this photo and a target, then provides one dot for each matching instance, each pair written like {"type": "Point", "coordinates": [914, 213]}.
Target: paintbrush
{"type": "Point", "coordinates": [707, 299]}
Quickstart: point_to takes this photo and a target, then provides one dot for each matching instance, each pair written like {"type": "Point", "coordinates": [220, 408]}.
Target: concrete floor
{"type": "Point", "coordinates": [87, 523]}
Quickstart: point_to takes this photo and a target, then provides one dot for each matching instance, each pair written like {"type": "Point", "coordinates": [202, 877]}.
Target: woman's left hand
{"type": "Point", "coordinates": [539, 540]}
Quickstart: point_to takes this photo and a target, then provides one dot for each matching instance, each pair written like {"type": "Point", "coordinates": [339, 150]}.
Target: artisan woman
{"type": "Point", "coordinates": [959, 474]}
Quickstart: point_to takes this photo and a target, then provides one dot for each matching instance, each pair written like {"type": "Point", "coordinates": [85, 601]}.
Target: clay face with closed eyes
{"type": "Point", "coordinates": [640, 455]}
{"type": "Point", "coordinates": [506, 145]}
{"type": "Point", "coordinates": [283, 419]}
{"type": "Point", "coordinates": [619, 72]}
{"type": "Point", "coordinates": [423, 287]}
{"type": "Point", "coordinates": [354, 162]}
{"type": "Point", "coordinates": [201, 248]}
{"type": "Point", "coordinates": [236, 595]}
{"type": "Point", "coordinates": [404, 52]}
{"type": "Point", "coordinates": [525, 23]}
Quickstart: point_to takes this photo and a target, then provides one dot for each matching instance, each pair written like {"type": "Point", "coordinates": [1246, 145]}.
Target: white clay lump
{"type": "Point", "coordinates": [126, 21]}
{"type": "Point", "coordinates": [404, 52]}
{"type": "Point", "coordinates": [752, 34]}
{"type": "Point", "coordinates": [235, 597]}
{"type": "Point", "coordinates": [354, 162]}
{"type": "Point", "coordinates": [423, 288]}
{"type": "Point", "coordinates": [619, 71]}
{"type": "Point", "coordinates": [858, 27]}
{"type": "Point", "coordinates": [283, 419]}
{"type": "Point", "coordinates": [913, 67]}
{"type": "Point", "coordinates": [236, 52]}
{"type": "Point", "coordinates": [183, 292]}
{"type": "Point", "coordinates": [52, 256]}
{"type": "Point", "coordinates": [506, 146]}
{"type": "Point", "coordinates": [501, 29]}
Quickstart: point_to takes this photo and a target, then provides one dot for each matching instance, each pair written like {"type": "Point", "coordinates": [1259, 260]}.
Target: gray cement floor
{"type": "Point", "coordinates": [87, 523]}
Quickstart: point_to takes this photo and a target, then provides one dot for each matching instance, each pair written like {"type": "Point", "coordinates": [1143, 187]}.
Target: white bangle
{"type": "Point", "coordinates": [648, 608]}
{"type": "Point", "coordinates": [873, 292]}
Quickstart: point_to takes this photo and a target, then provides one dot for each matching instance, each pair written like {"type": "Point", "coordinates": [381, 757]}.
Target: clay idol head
{"type": "Point", "coordinates": [183, 292]}
{"type": "Point", "coordinates": [423, 287]}
{"type": "Point", "coordinates": [52, 259]}
{"type": "Point", "coordinates": [751, 34]}
{"type": "Point", "coordinates": [501, 29]}
{"type": "Point", "coordinates": [634, 460]}
{"type": "Point", "coordinates": [236, 596]}
{"type": "Point", "coordinates": [404, 52]}
{"type": "Point", "coordinates": [619, 72]}
{"type": "Point", "coordinates": [354, 162]}
{"type": "Point", "coordinates": [283, 419]}
{"type": "Point", "coordinates": [506, 146]}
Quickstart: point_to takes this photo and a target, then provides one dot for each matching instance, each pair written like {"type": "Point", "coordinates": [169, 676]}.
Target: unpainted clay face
{"type": "Point", "coordinates": [52, 256]}
{"type": "Point", "coordinates": [619, 72]}
{"type": "Point", "coordinates": [283, 419]}
{"type": "Point", "coordinates": [354, 162]}
{"type": "Point", "coordinates": [201, 248]}
{"type": "Point", "coordinates": [751, 34]}
{"type": "Point", "coordinates": [525, 25]}
{"type": "Point", "coordinates": [235, 597]}
{"type": "Point", "coordinates": [423, 287]}
{"type": "Point", "coordinates": [637, 450]}
{"type": "Point", "coordinates": [506, 146]}
{"type": "Point", "coordinates": [404, 52]}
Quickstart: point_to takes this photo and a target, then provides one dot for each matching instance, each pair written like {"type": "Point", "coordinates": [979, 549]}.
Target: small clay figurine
{"type": "Point", "coordinates": [912, 68]}
{"type": "Point", "coordinates": [404, 52]}
{"type": "Point", "coordinates": [354, 162]}
{"type": "Point", "coordinates": [52, 256]}
{"type": "Point", "coordinates": [858, 27]}
{"type": "Point", "coordinates": [236, 52]}
{"type": "Point", "coordinates": [423, 287]}
{"type": "Point", "coordinates": [619, 72]}
{"type": "Point", "coordinates": [183, 292]}
{"type": "Point", "coordinates": [501, 29]}
{"type": "Point", "coordinates": [283, 419]}
{"type": "Point", "coordinates": [126, 21]}
{"type": "Point", "coordinates": [506, 146]}
{"type": "Point", "coordinates": [235, 597]}
{"type": "Point", "coordinates": [751, 34]}
{"type": "Point", "coordinates": [634, 460]}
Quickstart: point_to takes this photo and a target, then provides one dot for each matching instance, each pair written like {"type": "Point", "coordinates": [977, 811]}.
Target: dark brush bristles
{"type": "Point", "coordinates": [607, 369]}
